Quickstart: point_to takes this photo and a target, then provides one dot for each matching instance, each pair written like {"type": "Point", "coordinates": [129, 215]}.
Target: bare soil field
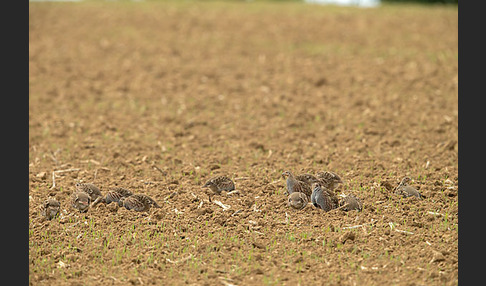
{"type": "Point", "coordinates": [158, 97]}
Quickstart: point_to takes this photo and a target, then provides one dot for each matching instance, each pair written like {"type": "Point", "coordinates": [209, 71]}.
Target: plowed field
{"type": "Point", "coordinates": [158, 97]}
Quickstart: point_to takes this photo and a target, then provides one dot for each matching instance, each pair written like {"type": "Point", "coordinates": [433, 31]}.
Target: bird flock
{"type": "Point", "coordinates": [87, 195]}
{"type": "Point", "coordinates": [319, 189]}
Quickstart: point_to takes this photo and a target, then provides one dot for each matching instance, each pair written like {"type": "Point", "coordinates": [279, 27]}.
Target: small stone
{"type": "Point", "coordinates": [258, 245]}
{"type": "Point", "coordinates": [387, 185]}
{"type": "Point", "coordinates": [347, 236]}
{"type": "Point", "coordinates": [61, 264]}
{"type": "Point", "coordinates": [42, 175]}
{"type": "Point", "coordinates": [299, 259]}
{"type": "Point", "coordinates": [158, 215]}
{"type": "Point", "coordinates": [437, 256]}
{"type": "Point", "coordinates": [113, 208]}
{"type": "Point", "coordinates": [258, 271]}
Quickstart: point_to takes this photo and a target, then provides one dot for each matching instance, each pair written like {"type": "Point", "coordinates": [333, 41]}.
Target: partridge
{"type": "Point", "coordinates": [406, 190]}
{"type": "Point", "coordinates": [81, 201]}
{"type": "Point", "coordinates": [350, 202]}
{"type": "Point", "coordinates": [138, 202]}
{"type": "Point", "coordinates": [115, 194]}
{"type": "Point", "coordinates": [50, 208]}
{"type": "Point", "coordinates": [92, 190]}
{"type": "Point", "coordinates": [297, 200]}
{"type": "Point", "coordinates": [321, 198]}
{"type": "Point", "coordinates": [307, 178]}
{"type": "Point", "coordinates": [294, 185]}
{"type": "Point", "coordinates": [330, 180]}
{"type": "Point", "coordinates": [220, 183]}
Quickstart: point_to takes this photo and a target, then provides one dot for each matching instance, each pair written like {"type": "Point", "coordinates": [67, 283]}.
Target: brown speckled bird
{"type": "Point", "coordinates": [307, 178]}
{"type": "Point", "coordinates": [220, 183]}
{"type": "Point", "coordinates": [81, 201]}
{"type": "Point", "coordinates": [50, 208]}
{"type": "Point", "coordinates": [405, 190]}
{"type": "Point", "coordinates": [138, 202]}
{"type": "Point", "coordinates": [350, 202]}
{"type": "Point", "coordinates": [294, 185]}
{"type": "Point", "coordinates": [297, 200]}
{"type": "Point", "coordinates": [115, 194]}
{"type": "Point", "coordinates": [92, 190]}
{"type": "Point", "coordinates": [321, 198]}
{"type": "Point", "coordinates": [330, 180]}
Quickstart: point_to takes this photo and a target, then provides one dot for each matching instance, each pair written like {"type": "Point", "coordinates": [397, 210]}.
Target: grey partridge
{"type": "Point", "coordinates": [307, 178]}
{"type": "Point", "coordinates": [81, 201]}
{"type": "Point", "coordinates": [294, 185]}
{"type": "Point", "coordinates": [92, 190]}
{"type": "Point", "coordinates": [220, 183]}
{"type": "Point", "coordinates": [138, 202]}
{"type": "Point", "coordinates": [115, 194]}
{"type": "Point", "coordinates": [330, 180]}
{"type": "Point", "coordinates": [350, 202]}
{"type": "Point", "coordinates": [321, 198]}
{"type": "Point", "coordinates": [405, 190]}
{"type": "Point", "coordinates": [297, 200]}
{"type": "Point", "coordinates": [50, 208]}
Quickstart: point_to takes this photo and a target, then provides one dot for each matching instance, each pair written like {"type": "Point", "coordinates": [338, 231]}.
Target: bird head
{"type": "Point", "coordinates": [120, 201]}
{"type": "Point", "coordinates": [52, 208]}
{"type": "Point", "coordinates": [297, 200]}
{"type": "Point", "coordinates": [406, 180]}
{"type": "Point", "coordinates": [82, 201]}
{"type": "Point", "coordinates": [286, 174]}
{"type": "Point", "coordinates": [208, 184]}
{"type": "Point", "coordinates": [212, 186]}
{"type": "Point", "coordinates": [53, 211]}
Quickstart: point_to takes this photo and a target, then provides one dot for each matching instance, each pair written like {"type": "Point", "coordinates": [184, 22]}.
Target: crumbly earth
{"type": "Point", "coordinates": [158, 97]}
